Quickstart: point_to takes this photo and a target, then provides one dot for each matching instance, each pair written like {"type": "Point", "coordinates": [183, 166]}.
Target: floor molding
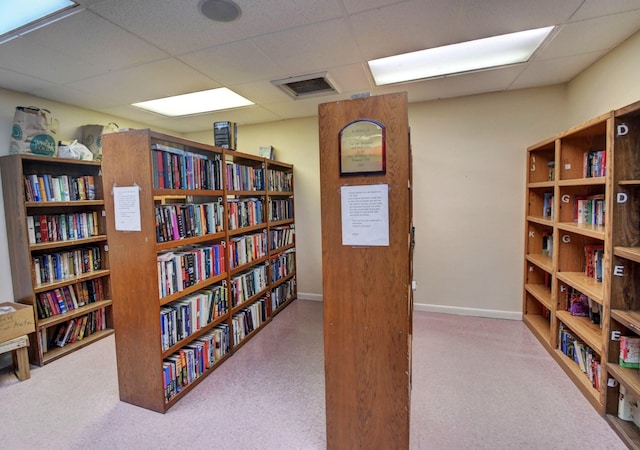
{"type": "Point", "coordinates": [476, 312]}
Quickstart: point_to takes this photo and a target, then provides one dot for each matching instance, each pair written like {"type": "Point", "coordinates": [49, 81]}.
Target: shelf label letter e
{"type": "Point", "coordinates": [618, 271]}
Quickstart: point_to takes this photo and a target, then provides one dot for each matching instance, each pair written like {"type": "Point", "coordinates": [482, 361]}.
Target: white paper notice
{"type": "Point", "coordinates": [126, 202]}
{"type": "Point", "coordinates": [365, 215]}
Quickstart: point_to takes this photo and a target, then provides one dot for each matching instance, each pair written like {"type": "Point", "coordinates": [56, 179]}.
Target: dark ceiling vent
{"type": "Point", "coordinates": [307, 85]}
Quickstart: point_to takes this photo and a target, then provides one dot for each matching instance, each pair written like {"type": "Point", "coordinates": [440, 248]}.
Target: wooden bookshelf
{"type": "Point", "coordinates": [560, 183]}
{"type": "Point", "coordinates": [367, 290]}
{"type": "Point", "coordinates": [228, 236]}
{"type": "Point", "coordinates": [625, 267]}
{"type": "Point", "coordinates": [57, 228]}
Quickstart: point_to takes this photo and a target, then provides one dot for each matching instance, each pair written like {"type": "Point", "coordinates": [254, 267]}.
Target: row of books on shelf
{"type": "Point", "coordinates": [628, 406]}
{"type": "Point", "coordinates": [61, 188]}
{"type": "Point", "coordinates": [62, 227]}
{"type": "Point", "coordinates": [283, 293]}
{"type": "Point", "coordinates": [180, 269]}
{"type": "Point", "coordinates": [74, 330]}
{"type": "Point", "coordinates": [590, 210]}
{"type": "Point", "coordinates": [280, 181]}
{"type": "Point", "coordinates": [594, 261]}
{"type": "Point", "coordinates": [580, 353]}
{"type": "Point", "coordinates": [69, 298]}
{"type": "Point", "coordinates": [245, 212]}
{"type": "Point", "coordinates": [247, 248]}
{"type": "Point", "coordinates": [283, 265]}
{"type": "Point", "coordinates": [595, 163]}
{"type": "Point", "coordinates": [280, 237]}
{"type": "Point", "coordinates": [248, 284]}
{"type": "Point", "coordinates": [579, 304]}
{"type": "Point", "coordinates": [191, 361]}
{"type": "Point", "coordinates": [280, 209]}
{"type": "Point", "coordinates": [249, 319]}
{"type": "Point", "coordinates": [182, 318]}
{"type": "Point", "coordinates": [64, 265]}
{"type": "Point", "coordinates": [244, 178]}
{"type": "Point", "coordinates": [175, 168]}
{"type": "Point", "coordinates": [180, 221]}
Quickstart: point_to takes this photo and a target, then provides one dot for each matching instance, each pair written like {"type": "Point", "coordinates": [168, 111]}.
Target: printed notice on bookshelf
{"type": "Point", "coordinates": [126, 204]}
{"type": "Point", "coordinates": [365, 215]}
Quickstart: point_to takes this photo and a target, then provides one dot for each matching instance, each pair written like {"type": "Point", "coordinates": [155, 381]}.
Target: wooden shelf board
{"type": "Point", "coordinates": [56, 353]}
{"type": "Point", "coordinates": [74, 203]}
{"type": "Point", "coordinates": [593, 181]}
{"type": "Point", "coordinates": [629, 182]}
{"type": "Point", "coordinates": [541, 293]}
{"type": "Point", "coordinates": [178, 193]}
{"type": "Point", "coordinates": [81, 311]}
{"type": "Point", "coordinates": [580, 379]}
{"type": "Point", "coordinates": [630, 319]}
{"type": "Point", "coordinates": [244, 230]}
{"type": "Point", "coordinates": [280, 193]}
{"type": "Point", "coordinates": [583, 229]}
{"type": "Point", "coordinates": [628, 377]}
{"type": "Point", "coordinates": [190, 241]}
{"type": "Point", "coordinates": [278, 223]}
{"type": "Point", "coordinates": [542, 261]}
{"type": "Point", "coordinates": [67, 243]}
{"type": "Point", "coordinates": [281, 249]}
{"type": "Point", "coordinates": [208, 327]}
{"type": "Point", "coordinates": [541, 220]}
{"type": "Point", "coordinates": [540, 184]}
{"type": "Point", "coordinates": [191, 289]}
{"type": "Point", "coordinates": [590, 333]}
{"type": "Point", "coordinates": [249, 301]}
{"type": "Point", "coordinates": [587, 285]}
{"type": "Point", "coordinates": [631, 253]}
{"type": "Point", "coordinates": [283, 306]}
{"type": "Point", "coordinates": [68, 281]}
{"type": "Point", "coordinates": [248, 265]}
{"type": "Point", "coordinates": [275, 284]}
{"type": "Point", "coordinates": [539, 326]}
{"type": "Point", "coordinates": [249, 336]}
{"type": "Point", "coordinates": [628, 431]}
{"type": "Point", "coordinates": [246, 193]}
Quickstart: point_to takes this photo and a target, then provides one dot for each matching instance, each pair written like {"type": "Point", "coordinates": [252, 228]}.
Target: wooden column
{"type": "Point", "coordinates": [367, 290]}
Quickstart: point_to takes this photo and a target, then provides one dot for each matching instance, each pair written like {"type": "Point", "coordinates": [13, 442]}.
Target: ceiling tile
{"type": "Point", "coordinates": [147, 82]}
{"type": "Point", "coordinates": [591, 35]}
{"type": "Point", "coordinates": [104, 46]}
{"type": "Point", "coordinates": [595, 8]}
{"type": "Point", "coordinates": [555, 71]}
{"type": "Point", "coordinates": [22, 83]}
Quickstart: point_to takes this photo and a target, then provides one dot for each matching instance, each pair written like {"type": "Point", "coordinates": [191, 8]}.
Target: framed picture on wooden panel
{"type": "Point", "coordinates": [362, 147]}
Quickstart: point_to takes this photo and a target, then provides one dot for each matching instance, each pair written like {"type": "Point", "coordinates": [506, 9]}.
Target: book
{"type": "Point", "coordinates": [267, 152]}
{"type": "Point", "coordinates": [629, 352]}
{"type": "Point", "coordinates": [225, 134]}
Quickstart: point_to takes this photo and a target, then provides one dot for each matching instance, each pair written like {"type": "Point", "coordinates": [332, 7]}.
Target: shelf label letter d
{"type": "Point", "coordinates": [622, 129]}
{"type": "Point", "coordinates": [622, 197]}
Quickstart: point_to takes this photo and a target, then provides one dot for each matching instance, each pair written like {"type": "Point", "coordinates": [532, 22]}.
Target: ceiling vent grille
{"type": "Point", "coordinates": [307, 85]}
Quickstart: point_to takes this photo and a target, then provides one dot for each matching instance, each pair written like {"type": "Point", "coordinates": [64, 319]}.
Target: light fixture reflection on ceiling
{"type": "Point", "coordinates": [195, 103]}
{"type": "Point", "coordinates": [459, 58]}
{"type": "Point", "coordinates": [220, 10]}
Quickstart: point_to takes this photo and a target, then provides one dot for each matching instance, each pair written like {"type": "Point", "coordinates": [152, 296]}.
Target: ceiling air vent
{"type": "Point", "coordinates": [307, 85]}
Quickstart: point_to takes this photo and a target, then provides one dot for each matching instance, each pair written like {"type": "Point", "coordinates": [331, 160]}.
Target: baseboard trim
{"type": "Point", "coordinates": [476, 312]}
{"type": "Point", "coordinates": [306, 296]}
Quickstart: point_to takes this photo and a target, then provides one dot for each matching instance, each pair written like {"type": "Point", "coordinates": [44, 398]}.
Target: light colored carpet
{"type": "Point", "coordinates": [477, 384]}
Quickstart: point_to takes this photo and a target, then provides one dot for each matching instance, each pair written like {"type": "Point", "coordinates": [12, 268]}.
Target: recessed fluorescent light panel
{"type": "Point", "coordinates": [195, 103]}
{"type": "Point", "coordinates": [459, 58]}
{"type": "Point", "coordinates": [16, 14]}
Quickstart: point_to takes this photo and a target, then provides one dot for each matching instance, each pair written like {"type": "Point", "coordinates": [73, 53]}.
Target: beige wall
{"type": "Point", "coordinates": [469, 164]}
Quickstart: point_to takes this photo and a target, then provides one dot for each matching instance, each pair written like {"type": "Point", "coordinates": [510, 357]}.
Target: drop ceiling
{"type": "Point", "coordinates": [117, 52]}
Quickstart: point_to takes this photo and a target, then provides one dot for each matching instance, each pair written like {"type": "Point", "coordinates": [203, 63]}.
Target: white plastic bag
{"type": "Point", "coordinates": [74, 150]}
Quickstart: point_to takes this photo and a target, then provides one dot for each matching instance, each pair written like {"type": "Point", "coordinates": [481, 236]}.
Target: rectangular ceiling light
{"type": "Point", "coordinates": [17, 14]}
{"type": "Point", "coordinates": [195, 103]}
{"type": "Point", "coordinates": [459, 58]}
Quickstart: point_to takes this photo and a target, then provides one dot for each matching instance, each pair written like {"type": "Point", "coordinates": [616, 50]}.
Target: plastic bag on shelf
{"type": "Point", "coordinates": [74, 150]}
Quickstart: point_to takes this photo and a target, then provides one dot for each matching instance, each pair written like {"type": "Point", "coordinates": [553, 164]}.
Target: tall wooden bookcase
{"type": "Point", "coordinates": [367, 290]}
{"type": "Point", "coordinates": [212, 262]}
{"type": "Point", "coordinates": [56, 231]}
{"type": "Point", "coordinates": [625, 266]}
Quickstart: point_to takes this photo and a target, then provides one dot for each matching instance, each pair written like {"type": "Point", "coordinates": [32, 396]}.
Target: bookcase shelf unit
{"type": "Point", "coordinates": [564, 236]}
{"type": "Point", "coordinates": [625, 267]}
{"type": "Point", "coordinates": [173, 328]}
{"type": "Point", "coordinates": [55, 219]}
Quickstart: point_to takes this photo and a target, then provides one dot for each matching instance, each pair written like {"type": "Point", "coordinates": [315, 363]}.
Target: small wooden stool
{"type": "Point", "coordinates": [19, 354]}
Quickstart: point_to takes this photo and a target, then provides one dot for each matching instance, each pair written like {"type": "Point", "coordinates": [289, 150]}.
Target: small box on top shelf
{"type": "Point", "coordinates": [225, 134]}
{"type": "Point", "coordinates": [15, 320]}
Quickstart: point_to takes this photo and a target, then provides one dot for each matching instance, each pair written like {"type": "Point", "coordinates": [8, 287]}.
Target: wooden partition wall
{"type": "Point", "coordinates": [367, 289]}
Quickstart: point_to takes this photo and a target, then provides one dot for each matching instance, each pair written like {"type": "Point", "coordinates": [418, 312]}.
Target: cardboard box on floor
{"type": "Point", "coordinates": [15, 320]}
